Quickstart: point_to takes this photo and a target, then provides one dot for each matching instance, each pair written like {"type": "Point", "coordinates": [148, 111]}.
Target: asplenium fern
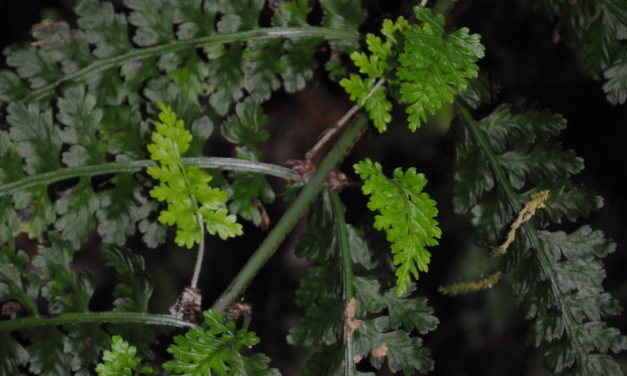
{"type": "Point", "coordinates": [504, 159]}
{"type": "Point", "coordinates": [77, 107]}
{"type": "Point", "coordinates": [406, 214]}
{"type": "Point", "coordinates": [186, 188]}
{"type": "Point", "coordinates": [431, 69]}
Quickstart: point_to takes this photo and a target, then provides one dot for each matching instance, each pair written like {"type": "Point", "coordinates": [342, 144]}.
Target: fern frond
{"type": "Point", "coordinates": [185, 188]}
{"type": "Point", "coordinates": [406, 214]}
{"type": "Point", "coordinates": [431, 69]}
{"type": "Point", "coordinates": [57, 349]}
{"type": "Point", "coordinates": [503, 160]}
{"type": "Point", "coordinates": [435, 65]}
{"type": "Point", "coordinates": [597, 29]}
{"type": "Point", "coordinates": [392, 319]}
{"type": "Point", "coordinates": [374, 66]}
{"type": "Point", "coordinates": [182, 53]}
{"type": "Point", "coordinates": [216, 351]}
{"type": "Point", "coordinates": [122, 360]}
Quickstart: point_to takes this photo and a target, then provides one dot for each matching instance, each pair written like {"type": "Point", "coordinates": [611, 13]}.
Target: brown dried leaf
{"type": "Point", "coordinates": [188, 305]}
{"type": "Point", "coordinates": [350, 324]}
{"type": "Point", "coordinates": [380, 352]}
{"type": "Point", "coordinates": [536, 202]}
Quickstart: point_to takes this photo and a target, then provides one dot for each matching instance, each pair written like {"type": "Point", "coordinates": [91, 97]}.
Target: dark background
{"type": "Point", "coordinates": [481, 334]}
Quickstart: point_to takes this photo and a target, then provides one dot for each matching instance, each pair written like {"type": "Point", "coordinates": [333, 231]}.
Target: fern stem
{"type": "Point", "coordinates": [201, 251]}
{"type": "Point", "coordinates": [292, 215]}
{"type": "Point", "coordinates": [143, 53]}
{"type": "Point", "coordinates": [340, 227]}
{"type": "Point", "coordinates": [347, 274]}
{"type": "Point", "coordinates": [544, 260]}
{"type": "Point", "coordinates": [232, 164]}
{"type": "Point", "coordinates": [485, 146]}
{"type": "Point", "coordinates": [332, 130]}
{"type": "Point", "coordinates": [95, 318]}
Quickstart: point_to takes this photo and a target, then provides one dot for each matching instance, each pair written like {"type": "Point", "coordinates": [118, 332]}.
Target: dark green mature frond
{"type": "Point", "coordinates": [109, 74]}
{"type": "Point", "coordinates": [250, 191]}
{"type": "Point", "coordinates": [76, 212]}
{"type": "Point", "coordinates": [246, 126]}
{"type": "Point", "coordinates": [64, 291]}
{"type": "Point", "coordinates": [153, 21]}
{"type": "Point", "coordinates": [35, 137]}
{"type": "Point", "coordinates": [402, 351]}
{"type": "Point", "coordinates": [135, 288]}
{"type": "Point", "coordinates": [247, 129]}
{"type": "Point", "coordinates": [216, 351]}
{"type": "Point", "coordinates": [121, 207]}
{"type": "Point", "coordinates": [504, 159]}
{"type": "Point", "coordinates": [71, 348]}
{"type": "Point", "coordinates": [12, 355]}
{"type": "Point", "coordinates": [343, 14]}
{"type": "Point", "coordinates": [299, 60]}
{"type": "Point", "coordinates": [406, 214]}
{"type": "Point", "coordinates": [104, 28]}
{"type": "Point", "coordinates": [78, 112]}
{"type": "Point", "coordinates": [321, 325]}
{"type": "Point", "coordinates": [262, 69]}
{"type": "Point", "coordinates": [616, 76]}
{"type": "Point", "coordinates": [523, 143]}
{"type": "Point", "coordinates": [10, 169]}
{"type": "Point", "coordinates": [599, 29]}
{"type": "Point", "coordinates": [45, 352]}
{"type": "Point", "coordinates": [392, 319]}
{"type": "Point", "coordinates": [194, 18]}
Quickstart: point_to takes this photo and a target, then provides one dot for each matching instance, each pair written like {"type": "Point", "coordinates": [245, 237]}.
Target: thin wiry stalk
{"type": "Point", "coordinates": [133, 166]}
{"type": "Point", "coordinates": [201, 251]}
{"type": "Point", "coordinates": [94, 318]}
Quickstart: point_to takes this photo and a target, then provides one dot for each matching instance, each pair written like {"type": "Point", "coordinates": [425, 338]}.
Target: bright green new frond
{"type": "Point", "coordinates": [406, 214]}
{"type": "Point", "coordinates": [374, 66]}
{"type": "Point", "coordinates": [186, 188]}
{"type": "Point", "coordinates": [435, 66]}
{"type": "Point", "coordinates": [431, 69]}
{"type": "Point", "coordinates": [121, 360]}
{"type": "Point", "coordinates": [216, 351]}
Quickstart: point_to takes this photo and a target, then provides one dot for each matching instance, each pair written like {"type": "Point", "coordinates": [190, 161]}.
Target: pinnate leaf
{"type": "Point", "coordinates": [216, 350]}
{"type": "Point", "coordinates": [185, 188]}
{"type": "Point", "coordinates": [435, 65]}
{"type": "Point", "coordinates": [374, 66]}
{"type": "Point", "coordinates": [121, 360]}
{"type": "Point", "coordinates": [78, 112]}
{"type": "Point", "coordinates": [76, 212]}
{"type": "Point", "coordinates": [35, 137]}
{"type": "Point", "coordinates": [135, 288]}
{"type": "Point", "coordinates": [406, 214]}
{"type": "Point", "coordinates": [322, 325]}
{"type": "Point", "coordinates": [558, 275]}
